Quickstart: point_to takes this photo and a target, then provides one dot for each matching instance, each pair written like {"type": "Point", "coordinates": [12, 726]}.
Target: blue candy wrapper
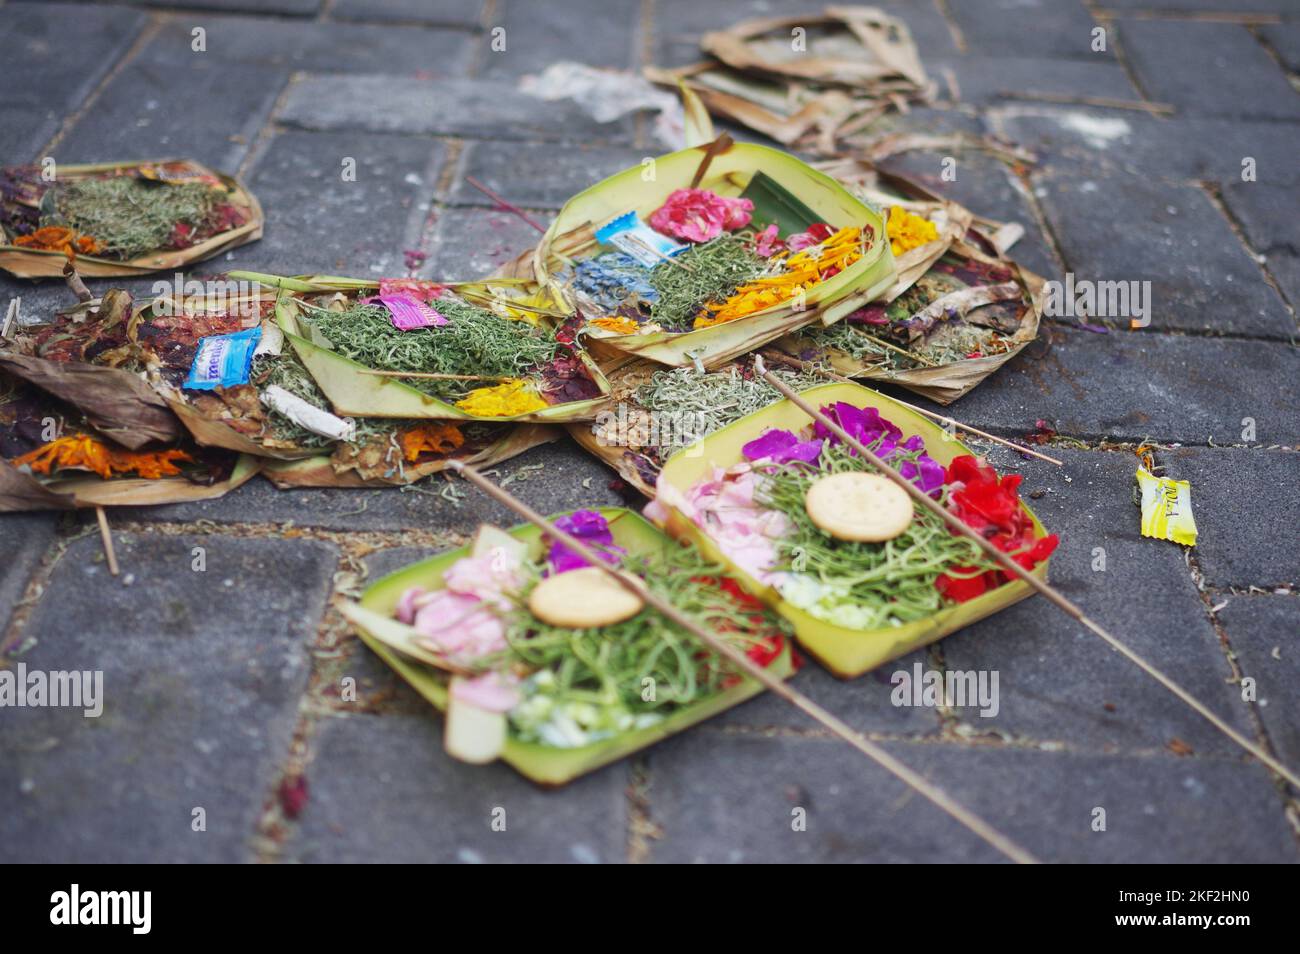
{"type": "Point", "coordinates": [635, 238]}
{"type": "Point", "coordinates": [223, 360]}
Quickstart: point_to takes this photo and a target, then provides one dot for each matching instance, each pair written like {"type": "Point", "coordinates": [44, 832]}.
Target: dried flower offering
{"type": "Point", "coordinates": [120, 219]}
{"type": "Point", "coordinates": [730, 272]}
{"type": "Point", "coordinates": [479, 633]}
{"type": "Point", "coordinates": [50, 457]}
{"type": "Point", "coordinates": [963, 317]}
{"type": "Point", "coordinates": [727, 247]}
{"type": "Point", "coordinates": [862, 574]}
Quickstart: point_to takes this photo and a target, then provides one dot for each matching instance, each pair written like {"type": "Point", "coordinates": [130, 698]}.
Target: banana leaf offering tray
{"type": "Point", "coordinates": [543, 662]}
{"type": "Point", "coordinates": [125, 218]}
{"type": "Point", "coordinates": [969, 313]}
{"type": "Point", "coordinates": [707, 253]}
{"type": "Point", "coordinates": [496, 350]}
{"type": "Point", "coordinates": [53, 458]}
{"type": "Point", "coordinates": [277, 411]}
{"type": "Point", "coordinates": [842, 553]}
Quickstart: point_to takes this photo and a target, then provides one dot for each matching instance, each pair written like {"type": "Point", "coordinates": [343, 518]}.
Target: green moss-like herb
{"type": "Point", "coordinates": [475, 341]}
{"type": "Point", "coordinates": [128, 216]}
{"type": "Point", "coordinates": [714, 399]}
{"type": "Point", "coordinates": [710, 272]}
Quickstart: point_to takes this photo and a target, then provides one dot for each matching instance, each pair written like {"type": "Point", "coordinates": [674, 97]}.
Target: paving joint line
{"type": "Point", "coordinates": [1214, 193]}
{"type": "Point", "coordinates": [146, 35]}
{"type": "Point", "coordinates": [269, 129]}
{"type": "Point", "coordinates": [34, 590]}
{"type": "Point", "coordinates": [1290, 800]}
{"type": "Point", "coordinates": [986, 740]}
{"type": "Point", "coordinates": [954, 29]}
{"type": "Point", "coordinates": [1117, 47]}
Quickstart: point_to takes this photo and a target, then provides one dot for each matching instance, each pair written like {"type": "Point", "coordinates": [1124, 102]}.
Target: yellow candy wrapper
{"type": "Point", "coordinates": [1166, 508]}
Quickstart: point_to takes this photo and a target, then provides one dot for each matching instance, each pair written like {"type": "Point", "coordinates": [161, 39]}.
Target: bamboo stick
{"type": "Point", "coordinates": [509, 207]}
{"type": "Point", "coordinates": [868, 748]}
{"type": "Point", "coordinates": [106, 537]}
{"type": "Point", "coordinates": [433, 376]}
{"type": "Point", "coordinates": [1015, 569]}
{"type": "Point", "coordinates": [943, 419]}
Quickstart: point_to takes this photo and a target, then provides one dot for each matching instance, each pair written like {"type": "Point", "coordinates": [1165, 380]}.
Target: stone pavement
{"type": "Point", "coordinates": [223, 686]}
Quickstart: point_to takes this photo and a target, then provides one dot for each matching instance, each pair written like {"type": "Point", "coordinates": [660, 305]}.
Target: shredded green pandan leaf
{"type": "Point", "coordinates": [605, 669]}
{"type": "Point", "coordinates": [708, 272]}
{"type": "Point", "coordinates": [475, 341]}
{"type": "Point", "coordinates": [884, 583]}
{"type": "Point", "coordinates": [127, 216]}
{"type": "Point", "coordinates": [714, 399]}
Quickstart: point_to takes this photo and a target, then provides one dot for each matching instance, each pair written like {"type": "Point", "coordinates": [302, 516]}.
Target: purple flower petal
{"type": "Point", "coordinates": [781, 447]}
{"type": "Point", "coordinates": [866, 424]}
{"type": "Point", "coordinates": [590, 528]}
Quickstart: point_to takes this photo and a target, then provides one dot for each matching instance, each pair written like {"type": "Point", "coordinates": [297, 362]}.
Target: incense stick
{"type": "Point", "coordinates": [1019, 448]}
{"type": "Point", "coordinates": [106, 537]}
{"type": "Point", "coordinates": [1015, 569]}
{"type": "Point", "coordinates": [434, 376]}
{"type": "Point", "coordinates": [513, 209]}
{"type": "Point", "coordinates": [900, 770]}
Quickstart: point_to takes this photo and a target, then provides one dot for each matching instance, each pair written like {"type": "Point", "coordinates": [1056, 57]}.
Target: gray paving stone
{"type": "Point", "coordinates": [1284, 38]}
{"type": "Point", "coordinates": [1234, 500]}
{"type": "Point", "coordinates": [987, 187]}
{"type": "Point", "coordinates": [54, 54]}
{"type": "Point", "coordinates": [318, 223]}
{"type": "Point", "coordinates": [462, 13]}
{"type": "Point", "coordinates": [383, 789]}
{"type": "Point", "coordinates": [1265, 215]}
{"type": "Point", "coordinates": [383, 562]}
{"type": "Point", "coordinates": [202, 673]}
{"type": "Point", "coordinates": [36, 45]}
{"type": "Point", "coordinates": [986, 80]}
{"type": "Point", "coordinates": [24, 130]}
{"type": "Point", "coordinates": [24, 540]}
{"type": "Point", "coordinates": [1035, 28]}
{"type": "Point", "coordinates": [1059, 682]}
{"type": "Point", "coordinates": [471, 243]}
{"type": "Point", "coordinates": [602, 33]}
{"type": "Point", "coordinates": [324, 47]}
{"type": "Point", "coordinates": [1128, 229]}
{"type": "Point", "coordinates": [538, 178]}
{"type": "Point", "coordinates": [1162, 149]}
{"type": "Point", "coordinates": [1264, 632]}
{"type": "Point", "coordinates": [1284, 7]}
{"type": "Point", "coordinates": [731, 799]}
{"type": "Point", "coordinates": [206, 111]}
{"type": "Point", "coordinates": [487, 109]}
{"type": "Point", "coordinates": [863, 703]}
{"type": "Point", "coordinates": [567, 478]}
{"type": "Point", "coordinates": [1209, 69]}
{"type": "Point", "coordinates": [1132, 386]}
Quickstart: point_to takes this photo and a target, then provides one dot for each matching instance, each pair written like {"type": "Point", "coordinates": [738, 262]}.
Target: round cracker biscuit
{"type": "Point", "coordinates": [863, 508]}
{"type": "Point", "coordinates": [582, 599]}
